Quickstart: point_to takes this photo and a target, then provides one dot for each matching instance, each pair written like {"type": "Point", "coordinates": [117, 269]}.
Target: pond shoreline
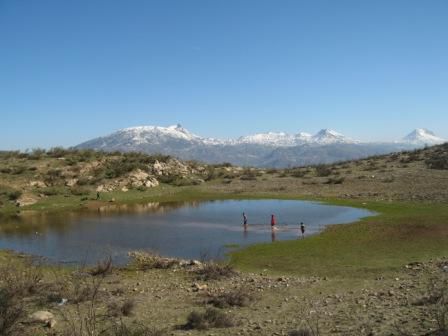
{"type": "Point", "coordinates": [196, 228]}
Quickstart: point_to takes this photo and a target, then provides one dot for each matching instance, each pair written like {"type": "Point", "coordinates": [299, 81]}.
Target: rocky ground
{"type": "Point", "coordinates": [410, 302]}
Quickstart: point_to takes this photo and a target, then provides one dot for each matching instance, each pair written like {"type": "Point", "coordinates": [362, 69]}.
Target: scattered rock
{"type": "Point", "coordinates": [197, 287]}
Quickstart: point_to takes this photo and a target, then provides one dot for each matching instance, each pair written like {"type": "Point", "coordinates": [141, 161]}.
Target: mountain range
{"type": "Point", "coordinates": [272, 149]}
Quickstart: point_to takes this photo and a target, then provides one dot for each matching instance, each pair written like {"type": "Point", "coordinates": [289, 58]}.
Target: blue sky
{"type": "Point", "coordinates": [73, 70]}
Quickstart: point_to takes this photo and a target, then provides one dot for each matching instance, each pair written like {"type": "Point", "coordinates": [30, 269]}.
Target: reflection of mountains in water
{"type": "Point", "coordinates": [150, 207]}
{"type": "Point", "coordinates": [38, 223]}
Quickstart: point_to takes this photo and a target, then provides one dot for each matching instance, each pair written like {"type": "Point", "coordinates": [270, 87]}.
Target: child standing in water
{"type": "Point", "coordinates": [244, 219]}
{"type": "Point", "coordinates": [273, 221]}
{"type": "Point", "coordinates": [302, 229]}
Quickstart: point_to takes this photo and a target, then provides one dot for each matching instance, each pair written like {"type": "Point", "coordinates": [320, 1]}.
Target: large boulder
{"type": "Point", "coordinates": [38, 184]}
{"type": "Point", "coordinates": [139, 178]}
{"type": "Point", "coordinates": [27, 199]}
{"type": "Point", "coordinates": [44, 317]}
{"type": "Point", "coordinates": [172, 167]}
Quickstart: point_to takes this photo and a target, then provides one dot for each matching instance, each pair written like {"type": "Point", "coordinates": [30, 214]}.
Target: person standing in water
{"type": "Point", "coordinates": [302, 229]}
{"type": "Point", "coordinates": [273, 221]}
{"type": "Point", "coordinates": [244, 219]}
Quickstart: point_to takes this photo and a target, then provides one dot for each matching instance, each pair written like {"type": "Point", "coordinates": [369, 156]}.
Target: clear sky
{"type": "Point", "coordinates": [74, 70]}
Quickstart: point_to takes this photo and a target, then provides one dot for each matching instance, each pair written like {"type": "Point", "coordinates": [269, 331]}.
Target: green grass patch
{"type": "Point", "coordinates": [401, 233]}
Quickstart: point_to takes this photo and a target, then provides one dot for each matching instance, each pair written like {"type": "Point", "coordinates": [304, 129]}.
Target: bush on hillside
{"type": "Point", "coordinates": [323, 170]}
{"type": "Point", "coordinates": [57, 152]}
{"type": "Point", "coordinates": [18, 170]}
{"type": "Point", "coordinates": [438, 162]}
{"type": "Point", "coordinates": [335, 180]}
{"type": "Point", "coordinates": [79, 191]}
{"type": "Point", "coordinates": [51, 191]}
{"type": "Point", "coordinates": [37, 154]}
{"type": "Point", "coordinates": [10, 193]}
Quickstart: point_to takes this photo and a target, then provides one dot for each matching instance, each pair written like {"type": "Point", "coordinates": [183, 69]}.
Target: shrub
{"type": "Point", "coordinates": [10, 193]}
{"type": "Point", "coordinates": [14, 195]}
{"type": "Point", "coordinates": [16, 283]}
{"type": "Point", "coordinates": [235, 298]}
{"type": "Point", "coordinates": [11, 311]}
{"type": "Point", "coordinates": [57, 152]}
{"type": "Point", "coordinates": [79, 191]}
{"type": "Point", "coordinates": [167, 179]}
{"type": "Point", "coordinates": [211, 173]}
{"type": "Point", "coordinates": [50, 191]}
{"type": "Point", "coordinates": [52, 176]}
{"type": "Point", "coordinates": [440, 162]}
{"type": "Point", "coordinates": [37, 154]}
{"type": "Point", "coordinates": [211, 318]}
{"type": "Point", "coordinates": [323, 171]}
{"type": "Point", "coordinates": [128, 307]}
{"type": "Point", "coordinates": [18, 170]}
{"type": "Point", "coordinates": [5, 170]}
{"type": "Point", "coordinates": [215, 271]}
{"type": "Point", "coordinates": [298, 173]}
{"type": "Point", "coordinates": [82, 181]}
{"type": "Point", "coordinates": [335, 180]}
{"type": "Point", "coordinates": [249, 175]}
{"type": "Point", "coordinates": [102, 268]}
{"type": "Point", "coordinates": [124, 309]}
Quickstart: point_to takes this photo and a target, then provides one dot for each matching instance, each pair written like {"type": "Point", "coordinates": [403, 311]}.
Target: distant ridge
{"type": "Point", "coordinates": [270, 149]}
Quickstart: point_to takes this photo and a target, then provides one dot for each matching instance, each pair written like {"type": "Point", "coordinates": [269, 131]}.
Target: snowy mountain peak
{"type": "Point", "coordinates": [328, 136]}
{"type": "Point", "coordinates": [178, 127]}
{"type": "Point", "coordinates": [422, 136]}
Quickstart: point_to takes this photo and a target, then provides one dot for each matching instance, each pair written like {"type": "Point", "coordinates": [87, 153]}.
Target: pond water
{"type": "Point", "coordinates": [187, 230]}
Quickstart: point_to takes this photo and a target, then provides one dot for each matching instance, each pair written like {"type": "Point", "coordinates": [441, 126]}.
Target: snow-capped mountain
{"type": "Point", "coordinates": [271, 149]}
{"type": "Point", "coordinates": [145, 134]}
{"type": "Point", "coordinates": [421, 136]}
{"type": "Point", "coordinates": [327, 136]}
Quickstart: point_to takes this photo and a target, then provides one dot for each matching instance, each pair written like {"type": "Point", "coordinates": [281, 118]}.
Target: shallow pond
{"type": "Point", "coordinates": [187, 230]}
